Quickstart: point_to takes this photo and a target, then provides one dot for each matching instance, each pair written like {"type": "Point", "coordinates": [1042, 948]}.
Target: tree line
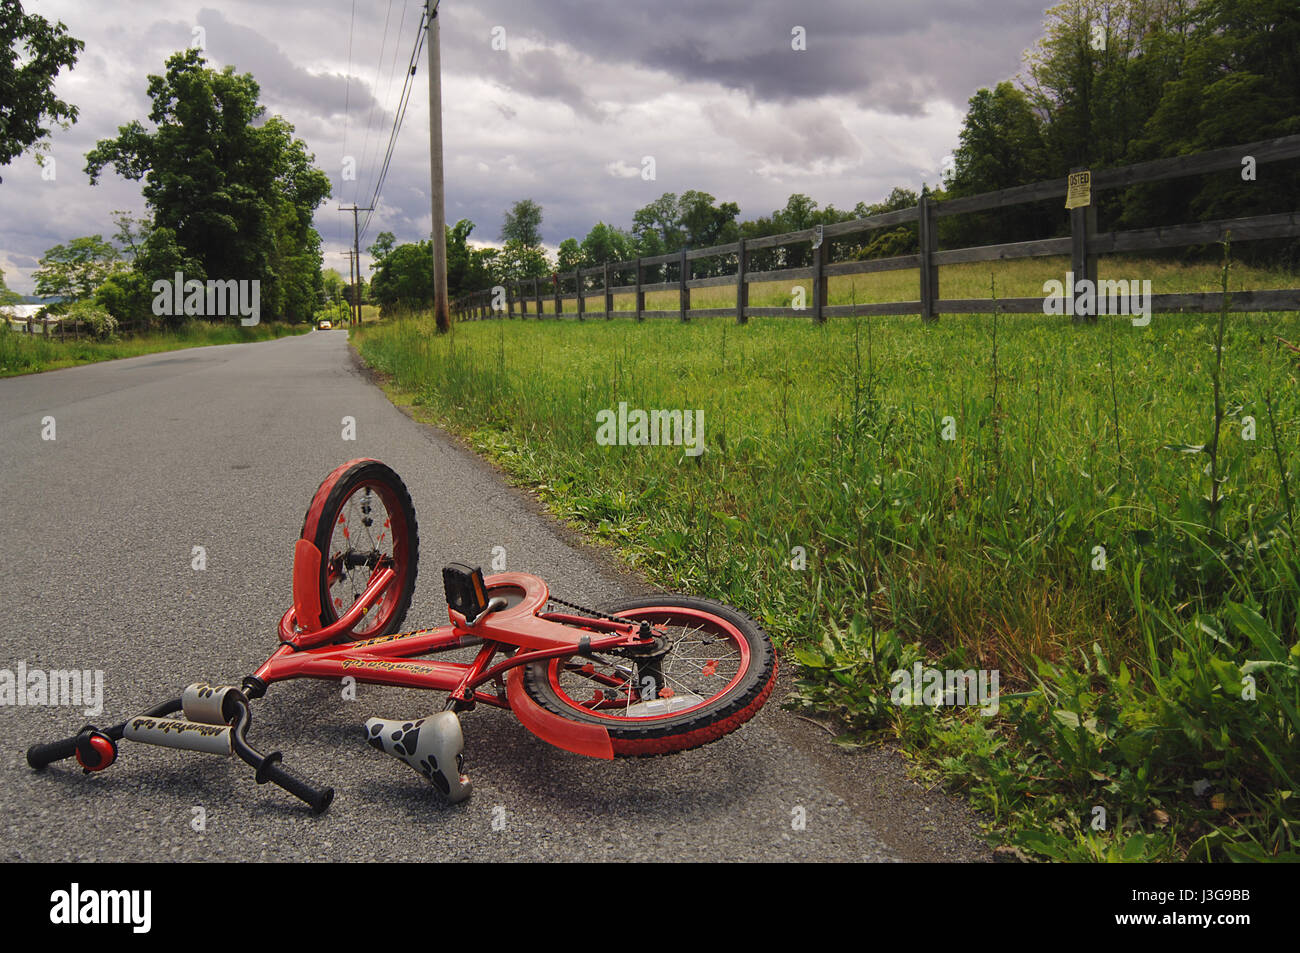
{"type": "Point", "coordinates": [229, 191]}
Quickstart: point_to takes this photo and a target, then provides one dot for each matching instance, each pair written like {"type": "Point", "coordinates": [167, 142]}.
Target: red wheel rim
{"type": "Point", "coordinates": [393, 532]}
{"type": "Point", "coordinates": [608, 708]}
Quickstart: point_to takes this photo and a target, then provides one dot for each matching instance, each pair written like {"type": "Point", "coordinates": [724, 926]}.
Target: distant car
{"type": "Point", "coordinates": [325, 325]}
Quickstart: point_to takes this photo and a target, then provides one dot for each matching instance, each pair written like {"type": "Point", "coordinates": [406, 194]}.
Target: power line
{"type": "Point", "coordinates": [388, 92]}
{"type": "Point", "coordinates": [347, 88]}
{"type": "Point", "coordinates": [408, 84]}
{"type": "Point", "coordinates": [403, 100]}
{"type": "Point", "coordinates": [370, 114]}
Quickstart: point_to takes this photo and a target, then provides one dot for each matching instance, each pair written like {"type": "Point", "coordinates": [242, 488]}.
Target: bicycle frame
{"type": "Point", "coordinates": [501, 620]}
{"type": "Point", "coordinates": [523, 630]}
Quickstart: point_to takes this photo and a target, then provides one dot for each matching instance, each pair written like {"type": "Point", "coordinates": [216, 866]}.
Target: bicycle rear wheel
{"type": "Point", "coordinates": [712, 670]}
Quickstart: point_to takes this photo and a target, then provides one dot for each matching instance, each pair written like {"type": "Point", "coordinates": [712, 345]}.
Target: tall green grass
{"type": "Point", "coordinates": [1135, 579]}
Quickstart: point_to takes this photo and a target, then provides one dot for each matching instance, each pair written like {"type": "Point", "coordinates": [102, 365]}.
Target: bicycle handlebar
{"type": "Point", "coordinates": [271, 770]}
{"type": "Point", "coordinates": [41, 756]}
{"type": "Point", "coordinates": [267, 767]}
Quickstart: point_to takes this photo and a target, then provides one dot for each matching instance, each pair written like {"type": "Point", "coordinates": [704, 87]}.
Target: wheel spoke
{"type": "Point", "coordinates": [698, 665]}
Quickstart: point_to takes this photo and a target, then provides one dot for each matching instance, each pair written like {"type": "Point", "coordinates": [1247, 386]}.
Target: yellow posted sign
{"type": "Point", "coordinates": [1079, 191]}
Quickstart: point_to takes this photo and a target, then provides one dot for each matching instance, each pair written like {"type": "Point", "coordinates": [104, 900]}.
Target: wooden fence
{"type": "Point", "coordinates": [64, 329]}
{"type": "Point", "coordinates": [1084, 244]}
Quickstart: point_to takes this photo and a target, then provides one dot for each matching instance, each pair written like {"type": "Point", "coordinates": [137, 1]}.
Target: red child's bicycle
{"type": "Point", "coordinates": [645, 677]}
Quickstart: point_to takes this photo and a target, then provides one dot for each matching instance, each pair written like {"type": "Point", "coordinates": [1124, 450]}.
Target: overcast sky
{"type": "Point", "coordinates": [565, 115]}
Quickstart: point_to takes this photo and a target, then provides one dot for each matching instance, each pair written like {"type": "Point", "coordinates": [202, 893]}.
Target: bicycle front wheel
{"type": "Point", "coordinates": [362, 518]}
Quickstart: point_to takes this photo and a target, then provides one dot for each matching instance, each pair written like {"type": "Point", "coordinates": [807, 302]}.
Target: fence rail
{"type": "Point", "coordinates": [1084, 244]}
{"type": "Point", "coordinates": [67, 328]}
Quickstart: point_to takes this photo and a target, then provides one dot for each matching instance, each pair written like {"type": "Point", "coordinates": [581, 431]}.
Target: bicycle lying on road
{"type": "Point", "coordinates": [648, 676]}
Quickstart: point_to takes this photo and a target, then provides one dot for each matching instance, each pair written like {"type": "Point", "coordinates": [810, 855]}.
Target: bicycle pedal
{"type": "Point", "coordinates": [465, 589]}
{"type": "Point", "coordinates": [433, 746]}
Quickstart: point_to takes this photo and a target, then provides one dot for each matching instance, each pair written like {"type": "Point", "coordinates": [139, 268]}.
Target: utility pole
{"type": "Point", "coordinates": [436, 196]}
{"type": "Point", "coordinates": [356, 250]}
{"type": "Point", "coordinates": [352, 284]}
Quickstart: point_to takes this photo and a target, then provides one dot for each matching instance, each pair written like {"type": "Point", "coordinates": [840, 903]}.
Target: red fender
{"type": "Point", "coordinates": [306, 585]}
{"type": "Point", "coordinates": [591, 740]}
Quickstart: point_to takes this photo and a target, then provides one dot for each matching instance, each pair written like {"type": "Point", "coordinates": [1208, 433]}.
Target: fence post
{"type": "Point", "coordinates": [555, 286]}
{"type": "Point", "coordinates": [1083, 261]}
{"type": "Point", "coordinates": [683, 292]}
{"type": "Point", "coordinates": [537, 296]}
{"type": "Point", "coordinates": [819, 281]}
{"type": "Point", "coordinates": [742, 287]}
{"type": "Point", "coordinates": [640, 295]}
{"type": "Point", "coordinates": [609, 296]}
{"type": "Point", "coordinates": [929, 236]}
{"type": "Point", "coordinates": [577, 284]}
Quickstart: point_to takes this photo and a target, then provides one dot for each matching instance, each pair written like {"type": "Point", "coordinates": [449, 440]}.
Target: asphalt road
{"type": "Point", "coordinates": [222, 448]}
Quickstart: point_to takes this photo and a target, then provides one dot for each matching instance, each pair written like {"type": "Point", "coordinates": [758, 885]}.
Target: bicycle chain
{"type": "Point", "coordinates": [592, 612]}
{"type": "Point", "coordinates": [624, 651]}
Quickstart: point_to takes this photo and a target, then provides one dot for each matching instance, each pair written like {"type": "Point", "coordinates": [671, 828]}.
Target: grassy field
{"type": "Point", "coordinates": [1104, 514]}
{"type": "Point", "coordinates": [28, 354]}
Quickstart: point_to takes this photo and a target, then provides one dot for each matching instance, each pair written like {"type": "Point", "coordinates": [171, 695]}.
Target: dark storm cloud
{"type": "Point", "coordinates": [898, 53]}
{"type": "Point", "coordinates": [249, 51]}
{"type": "Point", "coordinates": [565, 114]}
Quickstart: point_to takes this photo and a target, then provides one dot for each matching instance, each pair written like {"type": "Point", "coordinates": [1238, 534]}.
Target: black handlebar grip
{"type": "Point", "coordinates": [38, 756]}
{"type": "Point", "coordinates": [318, 798]}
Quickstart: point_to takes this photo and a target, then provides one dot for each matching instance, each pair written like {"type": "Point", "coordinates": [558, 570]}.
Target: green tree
{"type": "Point", "coordinates": [235, 189]}
{"type": "Point", "coordinates": [128, 295]}
{"type": "Point", "coordinates": [468, 268]}
{"type": "Point", "coordinates": [692, 220]}
{"type": "Point", "coordinates": [77, 269]}
{"type": "Point", "coordinates": [1001, 146]}
{"type": "Point", "coordinates": [887, 242]}
{"type": "Point", "coordinates": [569, 257]}
{"type": "Point", "coordinates": [704, 223]}
{"type": "Point", "coordinates": [128, 298]}
{"type": "Point", "coordinates": [404, 279]}
{"type": "Point", "coordinates": [1096, 74]}
{"type": "Point", "coordinates": [333, 284]}
{"type": "Point", "coordinates": [523, 224]}
{"type": "Point", "coordinates": [382, 247]}
{"type": "Point", "coordinates": [7, 296]}
{"type": "Point", "coordinates": [516, 261]}
{"type": "Point", "coordinates": [131, 233]}
{"type": "Point", "coordinates": [34, 53]}
{"type": "Point", "coordinates": [658, 226]}
{"type": "Point", "coordinates": [604, 243]}
{"type": "Point", "coordinates": [1236, 80]}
